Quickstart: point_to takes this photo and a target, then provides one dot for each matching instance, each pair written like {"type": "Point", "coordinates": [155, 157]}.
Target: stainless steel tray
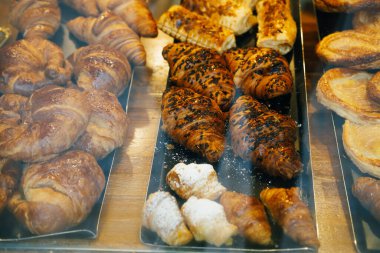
{"type": "Point", "coordinates": [10, 230]}
{"type": "Point", "coordinates": [366, 230]}
{"type": "Point", "coordinates": [238, 175]}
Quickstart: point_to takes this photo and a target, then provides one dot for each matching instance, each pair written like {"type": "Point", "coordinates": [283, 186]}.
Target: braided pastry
{"type": "Point", "coordinates": [100, 67]}
{"type": "Point", "coordinates": [28, 65]}
{"type": "Point", "coordinates": [110, 30]}
{"type": "Point", "coordinates": [58, 194]}
{"type": "Point", "coordinates": [260, 72]}
{"type": "Point", "coordinates": [35, 18]}
{"type": "Point", "coordinates": [202, 70]}
{"type": "Point", "coordinates": [44, 125]}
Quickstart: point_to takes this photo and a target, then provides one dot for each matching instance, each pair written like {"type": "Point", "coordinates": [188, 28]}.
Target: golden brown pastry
{"type": "Point", "coordinates": [107, 127]}
{"type": "Point", "coordinates": [345, 5]}
{"type": "Point", "coordinates": [194, 121]}
{"type": "Point", "coordinates": [277, 28]}
{"type": "Point", "coordinates": [199, 180]}
{"type": "Point", "coordinates": [350, 48]}
{"type": "Point", "coordinates": [28, 65]}
{"type": "Point", "coordinates": [207, 221]}
{"type": "Point", "coordinates": [248, 214]}
{"type": "Point", "coordinates": [292, 214]}
{"type": "Point", "coordinates": [188, 26]}
{"type": "Point", "coordinates": [162, 215]}
{"type": "Point", "coordinates": [202, 70]}
{"type": "Point", "coordinates": [10, 174]}
{"type": "Point", "coordinates": [362, 145]}
{"type": "Point", "coordinates": [373, 88]}
{"type": "Point", "coordinates": [345, 92]}
{"type": "Point", "coordinates": [85, 7]}
{"type": "Point", "coordinates": [367, 191]}
{"type": "Point", "coordinates": [264, 137]}
{"type": "Point", "coordinates": [260, 72]}
{"type": "Point", "coordinates": [49, 122]}
{"type": "Point", "coordinates": [237, 17]}
{"type": "Point", "coordinates": [250, 3]}
{"type": "Point", "coordinates": [102, 68]}
{"type": "Point", "coordinates": [58, 194]}
{"type": "Point", "coordinates": [367, 21]}
{"type": "Point", "coordinates": [35, 18]}
{"type": "Point", "coordinates": [110, 30]}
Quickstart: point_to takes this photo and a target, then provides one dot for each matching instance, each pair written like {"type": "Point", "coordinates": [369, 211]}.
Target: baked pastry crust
{"type": "Point", "coordinates": [367, 191]}
{"type": "Point", "coordinates": [373, 88]}
{"type": "Point", "coordinates": [362, 145]}
{"type": "Point", "coordinates": [367, 21]}
{"type": "Point", "coordinates": [345, 5]}
{"type": "Point", "coordinates": [345, 92]}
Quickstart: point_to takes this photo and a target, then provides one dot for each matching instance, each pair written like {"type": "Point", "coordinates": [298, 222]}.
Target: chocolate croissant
{"type": "Point", "coordinates": [10, 174]}
{"type": "Point", "coordinates": [202, 70]}
{"type": "Point", "coordinates": [28, 65]}
{"type": "Point", "coordinates": [110, 30]}
{"type": "Point", "coordinates": [248, 214]}
{"type": "Point", "coordinates": [194, 121]}
{"type": "Point", "coordinates": [367, 191]}
{"type": "Point", "coordinates": [58, 194]}
{"type": "Point", "coordinates": [100, 67]}
{"type": "Point", "coordinates": [260, 72]}
{"type": "Point", "coordinates": [43, 126]}
{"type": "Point", "coordinates": [35, 18]}
{"type": "Point", "coordinates": [292, 214]}
{"type": "Point", "coordinates": [265, 137]}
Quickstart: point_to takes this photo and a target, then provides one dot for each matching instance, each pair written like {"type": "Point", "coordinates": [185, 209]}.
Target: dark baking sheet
{"type": "Point", "coordinates": [10, 229]}
{"type": "Point", "coordinates": [366, 230]}
{"type": "Point", "coordinates": [238, 175]}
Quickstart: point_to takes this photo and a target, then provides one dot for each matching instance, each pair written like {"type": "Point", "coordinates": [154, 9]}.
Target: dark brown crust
{"type": "Point", "coordinates": [367, 191]}
{"type": "Point", "coordinates": [345, 5]}
{"type": "Point", "coordinates": [10, 174]}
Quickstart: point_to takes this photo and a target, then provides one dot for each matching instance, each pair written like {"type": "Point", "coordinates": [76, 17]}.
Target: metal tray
{"type": "Point", "coordinates": [366, 230]}
{"type": "Point", "coordinates": [238, 175]}
{"type": "Point", "coordinates": [10, 229]}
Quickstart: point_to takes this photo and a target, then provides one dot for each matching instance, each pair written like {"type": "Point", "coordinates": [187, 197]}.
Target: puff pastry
{"type": "Point", "coordinates": [345, 92]}
{"type": "Point", "coordinates": [277, 28]}
{"type": "Point", "coordinates": [188, 26]}
{"type": "Point", "coordinates": [362, 145]}
{"type": "Point", "coordinates": [199, 180]}
{"type": "Point", "coordinates": [207, 221]}
{"type": "Point", "coordinates": [345, 5]}
{"type": "Point", "coordinates": [367, 191]}
{"type": "Point", "coordinates": [236, 16]}
{"type": "Point", "coordinates": [162, 215]}
{"type": "Point", "coordinates": [373, 88]}
{"type": "Point", "coordinates": [367, 21]}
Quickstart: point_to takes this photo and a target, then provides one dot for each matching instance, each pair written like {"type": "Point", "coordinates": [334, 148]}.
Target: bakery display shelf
{"type": "Point", "coordinates": [238, 175]}
{"type": "Point", "coordinates": [365, 228]}
{"type": "Point", "coordinates": [10, 230]}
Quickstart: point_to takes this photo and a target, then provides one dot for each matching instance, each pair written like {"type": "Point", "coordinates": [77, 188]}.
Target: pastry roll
{"type": "Point", "coordinates": [207, 221]}
{"type": "Point", "coordinates": [188, 26]}
{"type": "Point", "coordinates": [248, 214]}
{"type": "Point", "coordinates": [292, 214]}
{"type": "Point", "coordinates": [10, 174]}
{"type": "Point", "coordinates": [367, 191]}
{"type": "Point", "coordinates": [199, 180]}
{"type": "Point", "coordinates": [277, 28]}
{"type": "Point", "coordinates": [162, 215]}
{"type": "Point", "coordinates": [235, 16]}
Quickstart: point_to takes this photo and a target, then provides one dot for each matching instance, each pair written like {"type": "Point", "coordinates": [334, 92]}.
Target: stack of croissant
{"type": "Point", "coordinates": [59, 116]}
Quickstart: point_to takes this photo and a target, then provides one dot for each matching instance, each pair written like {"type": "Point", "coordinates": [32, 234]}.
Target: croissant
{"type": "Point", "coordinates": [107, 127]}
{"type": "Point", "coordinates": [188, 26]}
{"type": "Point", "coordinates": [202, 70]}
{"type": "Point", "coordinates": [277, 28]}
{"type": "Point", "coordinates": [35, 18]}
{"type": "Point", "coordinates": [28, 65]}
{"type": "Point", "coordinates": [207, 221]}
{"type": "Point", "coordinates": [235, 16]}
{"type": "Point", "coordinates": [58, 194]}
{"type": "Point", "coordinates": [373, 88]}
{"type": "Point", "coordinates": [292, 214]}
{"type": "Point", "coordinates": [44, 125]}
{"type": "Point", "coordinates": [265, 137]}
{"type": "Point", "coordinates": [367, 191]}
{"type": "Point", "coordinates": [110, 30]}
{"type": "Point", "coordinates": [162, 215]}
{"type": "Point", "coordinates": [100, 67]}
{"type": "Point", "coordinates": [260, 72]}
{"type": "Point", "coordinates": [345, 5]}
{"type": "Point", "coordinates": [350, 48]}
{"type": "Point", "coordinates": [248, 214]}
{"type": "Point", "coordinates": [199, 180]}
{"type": "Point", "coordinates": [85, 7]}
{"type": "Point", "coordinates": [194, 121]}
{"type": "Point", "coordinates": [10, 173]}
